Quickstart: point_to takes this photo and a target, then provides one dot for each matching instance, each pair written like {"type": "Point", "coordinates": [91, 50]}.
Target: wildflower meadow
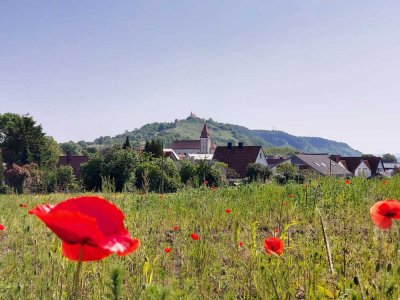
{"type": "Point", "coordinates": [328, 238]}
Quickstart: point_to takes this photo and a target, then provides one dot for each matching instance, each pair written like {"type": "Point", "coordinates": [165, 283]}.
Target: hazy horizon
{"type": "Point", "coordinates": [311, 68]}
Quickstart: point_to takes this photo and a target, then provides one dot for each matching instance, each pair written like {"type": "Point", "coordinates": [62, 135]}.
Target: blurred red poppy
{"type": "Point", "coordinates": [175, 227]}
{"type": "Point", "coordinates": [2, 227]}
{"type": "Point", "coordinates": [273, 245]}
{"type": "Point", "coordinates": [241, 244]}
{"type": "Point", "coordinates": [347, 181]}
{"type": "Point", "coordinates": [384, 182]}
{"type": "Point", "coordinates": [382, 213]}
{"type": "Point", "coordinates": [213, 188]}
{"type": "Point", "coordinates": [91, 228]}
{"type": "Point", "coordinates": [167, 250]}
{"type": "Point", "coordinates": [194, 236]}
{"type": "Point", "coordinates": [228, 211]}
{"type": "Point", "coordinates": [291, 196]}
{"type": "Point", "coordinates": [284, 203]}
{"type": "Point", "coordinates": [23, 205]}
{"type": "Point", "coordinates": [205, 182]}
{"type": "Point", "coordinates": [276, 230]}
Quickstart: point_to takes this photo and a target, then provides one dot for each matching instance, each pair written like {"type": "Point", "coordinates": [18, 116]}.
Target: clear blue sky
{"type": "Point", "coordinates": [312, 68]}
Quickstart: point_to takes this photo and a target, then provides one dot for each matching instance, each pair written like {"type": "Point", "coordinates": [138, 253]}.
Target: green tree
{"type": "Point", "coordinates": [258, 173]}
{"type": "Point", "coordinates": [65, 179]}
{"type": "Point", "coordinates": [188, 173]}
{"type": "Point", "coordinates": [91, 172]}
{"type": "Point", "coordinates": [287, 172]}
{"type": "Point", "coordinates": [115, 164]}
{"type": "Point", "coordinates": [152, 172]}
{"type": "Point", "coordinates": [208, 173]}
{"type": "Point", "coordinates": [71, 147]}
{"type": "Point", "coordinates": [154, 147]}
{"type": "Point", "coordinates": [1, 169]}
{"type": "Point", "coordinates": [49, 153]}
{"type": "Point", "coordinates": [119, 166]}
{"type": "Point", "coordinates": [390, 158]}
{"type": "Point", "coordinates": [127, 144]}
{"type": "Point", "coordinates": [21, 140]}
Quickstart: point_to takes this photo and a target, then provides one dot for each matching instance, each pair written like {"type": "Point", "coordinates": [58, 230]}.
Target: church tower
{"type": "Point", "coordinates": [205, 140]}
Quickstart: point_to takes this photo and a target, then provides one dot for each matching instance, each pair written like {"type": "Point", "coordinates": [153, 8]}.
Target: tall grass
{"type": "Point", "coordinates": [365, 260]}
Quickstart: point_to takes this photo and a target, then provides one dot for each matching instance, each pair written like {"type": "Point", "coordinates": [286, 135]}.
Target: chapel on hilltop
{"type": "Point", "coordinates": [202, 146]}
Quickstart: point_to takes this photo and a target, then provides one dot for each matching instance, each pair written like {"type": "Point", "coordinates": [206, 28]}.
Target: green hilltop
{"type": "Point", "coordinates": [222, 133]}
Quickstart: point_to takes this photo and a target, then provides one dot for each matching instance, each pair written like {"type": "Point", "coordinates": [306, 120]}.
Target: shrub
{"type": "Point", "coordinates": [258, 173]}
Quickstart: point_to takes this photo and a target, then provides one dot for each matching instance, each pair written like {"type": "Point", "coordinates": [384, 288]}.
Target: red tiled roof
{"type": "Point", "coordinates": [74, 161]}
{"type": "Point", "coordinates": [186, 144]}
{"type": "Point", "coordinates": [205, 133]}
{"type": "Point", "coordinates": [237, 159]}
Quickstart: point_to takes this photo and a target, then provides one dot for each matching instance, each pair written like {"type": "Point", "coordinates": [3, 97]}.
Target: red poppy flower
{"type": "Point", "coordinates": [228, 211]}
{"type": "Point", "coordinates": [240, 244]}
{"type": "Point", "coordinates": [382, 213]}
{"type": "Point", "coordinates": [291, 196]}
{"type": "Point", "coordinates": [167, 250]}
{"type": "Point", "coordinates": [23, 205]}
{"type": "Point", "coordinates": [347, 181]}
{"type": "Point", "coordinates": [276, 230]}
{"type": "Point", "coordinates": [273, 245]}
{"type": "Point", "coordinates": [205, 182]}
{"type": "Point", "coordinates": [91, 228]}
{"type": "Point", "coordinates": [213, 188]}
{"type": "Point", "coordinates": [175, 227]}
{"type": "Point", "coordinates": [194, 236]}
{"type": "Point", "coordinates": [2, 227]}
{"type": "Point", "coordinates": [384, 182]}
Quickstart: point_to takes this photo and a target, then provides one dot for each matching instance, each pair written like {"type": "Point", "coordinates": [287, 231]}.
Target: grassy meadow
{"type": "Point", "coordinates": [365, 261]}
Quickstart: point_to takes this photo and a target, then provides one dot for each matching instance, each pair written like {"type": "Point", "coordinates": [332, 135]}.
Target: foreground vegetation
{"type": "Point", "coordinates": [365, 259]}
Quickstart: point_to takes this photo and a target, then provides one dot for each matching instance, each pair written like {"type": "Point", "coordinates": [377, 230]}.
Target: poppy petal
{"type": "Point", "coordinates": [273, 245]}
{"type": "Point", "coordinates": [110, 218]}
{"type": "Point", "coordinates": [90, 253]}
{"type": "Point", "coordinates": [72, 227]}
{"type": "Point", "coordinates": [122, 245]}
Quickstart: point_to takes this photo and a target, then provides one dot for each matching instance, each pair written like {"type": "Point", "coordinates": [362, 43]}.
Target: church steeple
{"type": "Point", "coordinates": [205, 133]}
{"type": "Point", "coordinates": [205, 140]}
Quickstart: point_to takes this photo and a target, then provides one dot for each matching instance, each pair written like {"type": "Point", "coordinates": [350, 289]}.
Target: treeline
{"type": "Point", "coordinates": [29, 158]}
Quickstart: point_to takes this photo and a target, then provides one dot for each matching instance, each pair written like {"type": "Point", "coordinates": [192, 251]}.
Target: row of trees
{"type": "Point", "coordinates": [125, 170]}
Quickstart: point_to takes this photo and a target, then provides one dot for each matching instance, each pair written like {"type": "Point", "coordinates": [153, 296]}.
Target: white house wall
{"type": "Point", "coordinates": [362, 170]}
{"type": "Point", "coordinates": [186, 151]}
{"type": "Point", "coordinates": [261, 159]}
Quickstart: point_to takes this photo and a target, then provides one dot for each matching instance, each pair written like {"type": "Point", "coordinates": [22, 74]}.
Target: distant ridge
{"type": "Point", "coordinates": [222, 133]}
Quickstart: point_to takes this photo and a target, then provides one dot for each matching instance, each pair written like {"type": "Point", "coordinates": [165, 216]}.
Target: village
{"type": "Point", "coordinates": [239, 157]}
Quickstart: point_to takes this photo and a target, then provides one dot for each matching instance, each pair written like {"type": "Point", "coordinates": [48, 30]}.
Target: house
{"type": "Point", "coordinates": [389, 167]}
{"type": "Point", "coordinates": [274, 162]}
{"type": "Point", "coordinates": [199, 156]}
{"type": "Point", "coordinates": [170, 153]}
{"type": "Point", "coordinates": [239, 157]}
{"type": "Point", "coordinates": [320, 163]}
{"type": "Point", "coordinates": [74, 161]}
{"type": "Point", "coordinates": [203, 145]}
{"type": "Point", "coordinates": [361, 166]}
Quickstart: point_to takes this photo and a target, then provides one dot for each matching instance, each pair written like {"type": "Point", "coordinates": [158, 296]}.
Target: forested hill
{"type": "Point", "coordinates": [221, 134]}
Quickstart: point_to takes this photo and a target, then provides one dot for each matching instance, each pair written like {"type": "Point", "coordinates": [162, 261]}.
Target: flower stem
{"type": "Point", "coordinates": [75, 294]}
